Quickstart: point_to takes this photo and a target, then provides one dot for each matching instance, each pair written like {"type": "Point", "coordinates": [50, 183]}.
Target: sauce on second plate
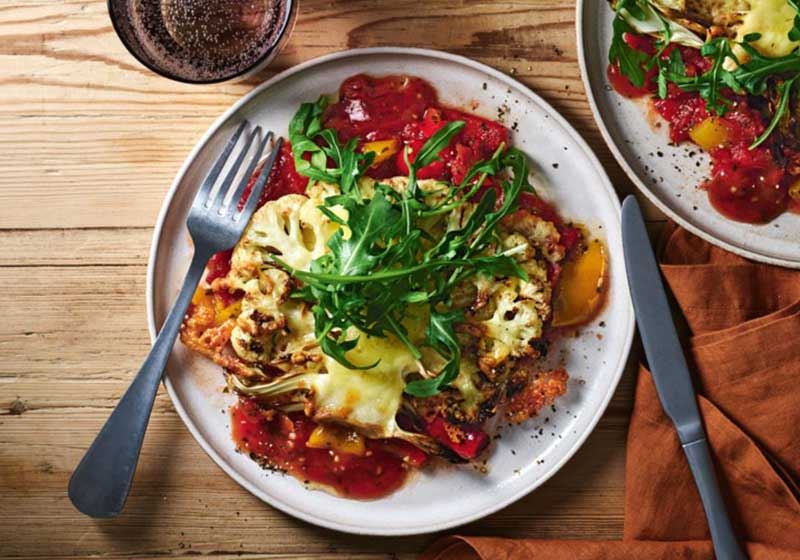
{"type": "Point", "coordinates": [746, 185]}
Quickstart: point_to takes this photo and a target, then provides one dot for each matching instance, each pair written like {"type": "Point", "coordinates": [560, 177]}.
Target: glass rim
{"type": "Point", "coordinates": [284, 26]}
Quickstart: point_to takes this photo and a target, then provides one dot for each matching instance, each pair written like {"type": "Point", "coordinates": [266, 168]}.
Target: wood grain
{"type": "Point", "coordinates": [89, 143]}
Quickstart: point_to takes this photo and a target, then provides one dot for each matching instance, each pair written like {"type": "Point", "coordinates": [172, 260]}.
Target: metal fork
{"type": "Point", "coordinates": [101, 482]}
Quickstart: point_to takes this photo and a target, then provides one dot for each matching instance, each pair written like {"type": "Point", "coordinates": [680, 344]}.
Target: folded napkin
{"type": "Point", "coordinates": [744, 348]}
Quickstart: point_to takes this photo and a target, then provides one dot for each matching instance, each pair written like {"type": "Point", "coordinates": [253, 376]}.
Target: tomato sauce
{"type": "Point", "coordinates": [407, 110]}
{"type": "Point", "coordinates": [278, 441]}
{"type": "Point", "coordinates": [746, 185]}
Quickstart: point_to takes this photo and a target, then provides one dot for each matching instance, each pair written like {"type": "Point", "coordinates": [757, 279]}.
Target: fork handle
{"type": "Point", "coordinates": [101, 482]}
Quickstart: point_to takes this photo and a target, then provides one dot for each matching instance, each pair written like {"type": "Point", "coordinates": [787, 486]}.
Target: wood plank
{"type": "Point", "coordinates": [75, 247]}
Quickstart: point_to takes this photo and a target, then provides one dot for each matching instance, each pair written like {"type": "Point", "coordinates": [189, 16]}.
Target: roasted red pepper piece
{"type": "Point", "coordinates": [471, 439]}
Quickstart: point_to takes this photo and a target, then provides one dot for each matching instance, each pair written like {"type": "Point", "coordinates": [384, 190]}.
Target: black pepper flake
{"type": "Point", "coordinates": [555, 166]}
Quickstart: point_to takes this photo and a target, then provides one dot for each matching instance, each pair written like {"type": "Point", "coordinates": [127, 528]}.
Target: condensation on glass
{"type": "Point", "coordinates": [203, 41]}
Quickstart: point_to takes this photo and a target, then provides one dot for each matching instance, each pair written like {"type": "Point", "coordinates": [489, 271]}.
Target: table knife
{"type": "Point", "coordinates": [671, 374]}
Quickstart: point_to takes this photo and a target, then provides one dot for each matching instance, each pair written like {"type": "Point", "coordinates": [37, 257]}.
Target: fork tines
{"type": "Point", "coordinates": [225, 199]}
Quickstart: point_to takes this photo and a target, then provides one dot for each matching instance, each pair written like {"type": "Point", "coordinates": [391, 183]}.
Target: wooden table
{"type": "Point", "coordinates": [89, 143]}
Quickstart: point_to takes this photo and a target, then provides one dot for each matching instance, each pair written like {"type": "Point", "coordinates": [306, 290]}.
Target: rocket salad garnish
{"type": "Point", "coordinates": [384, 264]}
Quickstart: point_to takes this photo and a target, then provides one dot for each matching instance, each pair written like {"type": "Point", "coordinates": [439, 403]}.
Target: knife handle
{"type": "Point", "coordinates": [725, 544]}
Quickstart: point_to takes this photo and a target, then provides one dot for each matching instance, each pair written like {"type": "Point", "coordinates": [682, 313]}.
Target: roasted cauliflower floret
{"type": "Point", "coordinates": [520, 310]}
{"type": "Point", "coordinates": [272, 329]}
{"type": "Point", "coordinates": [538, 232]}
{"type": "Point", "coordinates": [291, 228]}
{"type": "Point", "coordinates": [509, 314]}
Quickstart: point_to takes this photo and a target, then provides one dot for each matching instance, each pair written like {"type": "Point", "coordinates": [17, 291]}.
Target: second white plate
{"type": "Point", "coordinates": [668, 175]}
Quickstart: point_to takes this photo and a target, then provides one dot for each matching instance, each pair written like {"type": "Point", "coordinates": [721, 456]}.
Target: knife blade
{"type": "Point", "coordinates": [671, 374]}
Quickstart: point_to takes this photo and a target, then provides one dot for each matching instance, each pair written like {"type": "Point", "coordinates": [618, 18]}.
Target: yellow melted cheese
{"type": "Point", "coordinates": [366, 399]}
{"type": "Point", "coordinates": [773, 19]}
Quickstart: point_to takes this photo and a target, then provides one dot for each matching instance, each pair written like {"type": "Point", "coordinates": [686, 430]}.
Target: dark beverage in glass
{"type": "Point", "coordinates": [203, 41]}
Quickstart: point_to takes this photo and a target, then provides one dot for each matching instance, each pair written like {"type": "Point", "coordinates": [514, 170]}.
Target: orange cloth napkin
{"type": "Point", "coordinates": [744, 320]}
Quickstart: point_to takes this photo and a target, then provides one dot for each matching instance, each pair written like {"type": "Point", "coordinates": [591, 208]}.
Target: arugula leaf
{"type": "Point", "coordinates": [785, 90]}
{"type": "Point", "coordinates": [436, 143]}
{"type": "Point", "coordinates": [440, 336]}
{"type": "Point", "coordinates": [516, 160]}
{"type": "Point", "coordinates": [304, 128]}
{"type": "Point", "coordinates": [354, 252]}
{"type": "Point", "coordinates": [306, 124]}
{"type": "Point", "coordinates": [630, 60]}
{"type": "Point", "coordinates": [794, 32]}
{"type": "Point", "coordinates": [674, 66]}
{"type": "Point", "coordinates": [430, 152]}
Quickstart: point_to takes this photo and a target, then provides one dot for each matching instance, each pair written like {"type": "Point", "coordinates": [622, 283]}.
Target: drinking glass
{"type": "Point", "coordinates": [203, 41]}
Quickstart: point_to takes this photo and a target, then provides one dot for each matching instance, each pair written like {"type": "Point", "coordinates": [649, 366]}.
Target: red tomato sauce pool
{"type": "Point", "coordinates": [406, 110]}
{"type": "Point", "coordinates": [279, 441]}
{"type": "Point", "coordinates": [746, 185]}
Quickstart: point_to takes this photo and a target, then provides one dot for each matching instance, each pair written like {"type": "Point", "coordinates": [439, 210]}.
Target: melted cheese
{"type": "Point", "coordinates": [366, 399]}
{"type": "Point", "coordinates": [773, 19]}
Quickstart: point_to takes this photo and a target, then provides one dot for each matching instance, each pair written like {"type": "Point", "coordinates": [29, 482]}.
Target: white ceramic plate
{"type": "Point", "coordinates": [666, 174]}
{"type": "Point", "coordinates": [565, 170]}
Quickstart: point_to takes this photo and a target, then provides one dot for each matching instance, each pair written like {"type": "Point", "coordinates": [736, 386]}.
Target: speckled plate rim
{"type": "Point", "coordinates": [637, 180]}
{"type": "Point", "coordinates": [626, 324]}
